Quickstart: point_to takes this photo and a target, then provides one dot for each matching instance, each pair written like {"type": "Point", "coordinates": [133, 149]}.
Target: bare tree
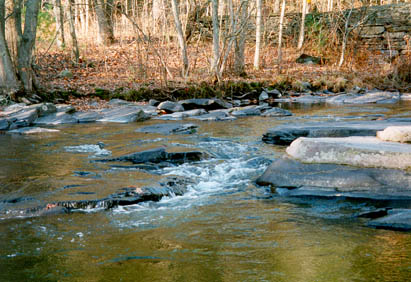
{"type": "Point", "coordinates": [216, 39]}
{"type": "Point", "coordinates": [26, 40]}
{"type": "Point", "coordinates": [8, 78]}
{"type": "Point", "coordinates": [103, 12]}
{"type": "Point", "coordinates": [180, 36]}
{"type": "Point", "coordinates": [280, 35]}
{"type": "Point", "coordinates": [240, 39]}
{"type": "Point", "coordinates": [59, 16]}
{"type": "Point", "coordinates": [302, 26]}
{"type": "Point", "coordinates": [258, 31]}
{"type": "Point", "coordinates": [74, 44]}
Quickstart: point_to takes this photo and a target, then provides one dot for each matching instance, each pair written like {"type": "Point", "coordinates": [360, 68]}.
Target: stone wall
{"type": "Point", "coordinates": [385, 27]}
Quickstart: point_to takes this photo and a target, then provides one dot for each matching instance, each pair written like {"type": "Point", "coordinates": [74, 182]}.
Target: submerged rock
{"type": "Point", "coordinates": [216, 115]}
{"type": "Point", "coordinates": [32, 130]}
{"type": "Point", "coordinates": [396, 134]}
{"type": "Point", "coordinates": [158, 155]}
{"type": "Point", "coordinates": [357, 151]}
{"type": "Point", "coordinates": [169, 128]}
{"type": "Point", "coordinates": [168, 187]}
{"type": "Point", "coordinates": [377, 97]}
{"type": "Point", "coordinates": [397, 219]}
{"type": "Point", "coordinates": [293, 178]}
{"type": "Point", "coordinates": [276, 112]}
{"type": "Point", "coordinates": [287, 133]}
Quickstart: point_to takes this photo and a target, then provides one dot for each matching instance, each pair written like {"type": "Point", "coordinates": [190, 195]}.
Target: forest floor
{"type": "Point", "coordinates": [131, 65]}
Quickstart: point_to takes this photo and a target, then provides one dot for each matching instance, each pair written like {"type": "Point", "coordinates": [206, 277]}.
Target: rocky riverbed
{"type": "Point", "coordinates": [356, 156]}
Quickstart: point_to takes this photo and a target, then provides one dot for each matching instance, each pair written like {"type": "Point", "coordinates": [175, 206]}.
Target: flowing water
{"type": "Point", "coordinates": [225, 228]}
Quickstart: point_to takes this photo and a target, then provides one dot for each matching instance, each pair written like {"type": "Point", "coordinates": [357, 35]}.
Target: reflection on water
{"type": "Point", "coordinates": [223, 229]}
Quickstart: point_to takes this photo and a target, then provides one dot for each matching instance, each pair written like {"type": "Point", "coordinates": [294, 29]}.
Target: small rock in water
{"type": "Point", "coordinates": [276, 112]}
{"type": "Point", "coordinates": [170, 107]}
{"type": "Point", "coordinates": [396, 134]}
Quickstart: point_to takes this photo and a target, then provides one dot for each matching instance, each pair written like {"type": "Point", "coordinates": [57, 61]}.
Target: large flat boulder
{"type": "Point", "coordinates": [56, 119]}
{"type": "Point", "coordinates": [86, 117]}
{"type": "Point", "coordinates": [292, 178]}
{"type": "Point", "coordinates": [374, 97]}
{"type": "Point", "coordinates": [396, 134]}
{"type": "Point", "coordinates": [22, 118]}
{"type": "Point", "coordinates": [206, 104]}
{"type": "Point", "coordinates": [169, 128]}
{"type": "Point", "coordinates": [397, 219]}
{"type": "Point", "coordinates": [356, 151]}
{"type": "Point", "coordinates": [123, 115]}
{"type": "Point", "coordinates": [287, 133]}
{"type": "Point", "coordinates": [170, 107]}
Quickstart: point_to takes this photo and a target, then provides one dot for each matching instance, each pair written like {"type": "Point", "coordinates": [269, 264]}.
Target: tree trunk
{"type": "Point", "coordinates": [180, 36]}
{"type": "Point", "coordinates": [8, 78]}
{"type": "Point", "coordinates": [74, 45]}
{"type": "Point", "coordinates": [25, 41]}
{"type": "Point", "coordinates": [59, 15]}
{"type": "Point", "coordinates": [105, 34]}
{"type": "Point", "coordinates": [280, 36]}
{"type": "Point", "coordinates": [302, 26]}
{"type": "Point", "coordinates": [258, 31]}
{"type": "Point", "coordinates": [216, 38]}
{"type": "Point", "coordinates": [240, 40]}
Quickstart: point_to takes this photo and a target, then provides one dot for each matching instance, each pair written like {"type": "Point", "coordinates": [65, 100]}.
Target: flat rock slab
{"type": "Point", "coordinates": [86, 117]}
{"type": "Point", "coordinates": [182, 115]}
{"type": "Point", "coordinates": [217, 115]}
{"type": "Point", "coordinates": [397, 219]}
{"type": "Point", "coordinates": [396, 134]}
{"type": "Point", "coordinates": [246, 111]}
{"type": "Point", "coordinates": [276, 112]}
{"type": "Point", "coordinates": [170, 107]}
{"type": "Point", "coordinates": [287, 133]}
{"type": "Point", "coordinates": [356, 151]}
{"type": "Point", "coordinates": [56, 118]}
{"type": "Point", "coordinates": [206, 104]}
{"type": "Point", "coordinates": [296, 179]}
{"type": "Point", "coordinates": [32, 130]}
{"type": "Point", "coordinates": [123, 115]}
{"type": "Point", "coordinates": [158, 155]}
{"type": "Point", "coordinates": [375, 97]}
{"type": "Point", "coordinates": [169, 128]}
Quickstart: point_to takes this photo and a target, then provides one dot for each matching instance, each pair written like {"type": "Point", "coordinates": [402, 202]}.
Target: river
{"type": "Point", "coordinates": [225, 228]}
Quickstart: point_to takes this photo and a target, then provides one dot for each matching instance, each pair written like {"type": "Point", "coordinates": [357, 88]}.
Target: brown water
{"type": "Point", "coordinates": [224, 229]}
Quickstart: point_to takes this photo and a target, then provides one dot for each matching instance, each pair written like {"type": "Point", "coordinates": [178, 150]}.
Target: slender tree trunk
{"type": "Point", "coordinates": [8, 78]}
{"type": "Point", "coordinates": [59, 15]}
{"type": "Point", "coordinates": [302, 26]}
{"type": "Point", "coordinates": [216, 38]}
{"type": "Point", "coordinates": [276, 6]}
{"type": "Point", "coordinates": [105, 34]}
{"type": "Point", "coordinates": [74, 45]}
{"type": "Point", "coordinates": [26, 41]}
{"type": "Point", "coordinates": [280, 35]}
{"type": "Point", "coordinates": [258, 32]}
{"type": "Point", "coordinates": [239, 64]}
{"type": "Point", "coordinates": [180, 36]}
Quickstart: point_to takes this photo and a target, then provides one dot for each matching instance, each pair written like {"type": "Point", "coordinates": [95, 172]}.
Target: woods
{"type": "Point", "coordinates": [217, 40]}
